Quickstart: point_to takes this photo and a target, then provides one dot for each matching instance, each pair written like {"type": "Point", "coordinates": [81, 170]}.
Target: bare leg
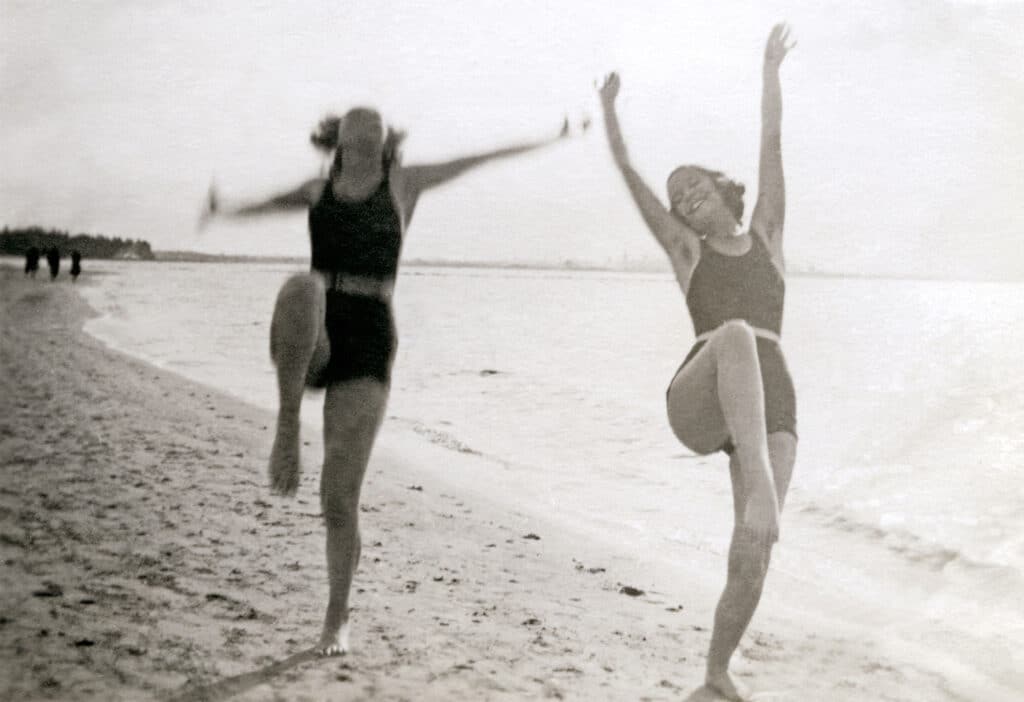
{"type": "Point", "coordinates": [352, 415]}
{"type": "Point", "coordinates": [748, 566]}
{"type": "Point", "coordinates": [298, 346]}
{"type": "Point", "coordinates": [741, 395]}
{"type": "Point", "coordinates": [720, 394]}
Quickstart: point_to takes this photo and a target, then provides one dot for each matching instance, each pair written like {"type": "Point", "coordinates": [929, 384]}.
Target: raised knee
{"type": "Point", "coordinates": [735, 329]}
{"type": "Point", "coordinates": [734, 334]}
{"type": "Point", "coordinates": [302, 288]}
{"type": "Point", "coordinates": [295, 315]}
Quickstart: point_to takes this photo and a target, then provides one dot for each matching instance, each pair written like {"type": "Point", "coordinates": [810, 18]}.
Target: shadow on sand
{"type": "Point", "coordinates": [229, 687]}
{"type": "Point", "coordinates": [704, 694]}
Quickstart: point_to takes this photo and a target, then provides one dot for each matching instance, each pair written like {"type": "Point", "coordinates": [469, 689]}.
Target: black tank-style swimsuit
{"type": "Point", "coordinates": [357, 239]}
{"type": "Point", "coordinates": [747, 287]}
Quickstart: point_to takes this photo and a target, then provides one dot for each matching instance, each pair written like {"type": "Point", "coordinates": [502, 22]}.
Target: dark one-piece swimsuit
{"type": "Point", "coordinates": [750, 288]}
{"type": "Point", "coordinates": [357, 239]}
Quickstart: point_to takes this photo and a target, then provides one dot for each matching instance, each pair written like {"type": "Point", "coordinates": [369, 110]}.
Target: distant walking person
{"type": "Point", "coordinates": [333, 328]}
{"type": "Point", "coordinates": [53, 261]}
{"type": "Point", "coordinates": [733, 391]}
{"type": "Point", "coordinates": [32, 261]}
{"type": "Point", "coordinates": [76, 265]}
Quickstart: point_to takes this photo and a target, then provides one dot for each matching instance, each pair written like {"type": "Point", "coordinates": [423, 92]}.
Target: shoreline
{"type": "Point", "coordinates": [179, 575]}
{"type": "Point", "coordinates": [177, 257]}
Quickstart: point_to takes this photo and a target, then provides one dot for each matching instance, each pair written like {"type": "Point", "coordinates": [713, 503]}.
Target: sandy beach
{"type": "Point", "coordinates": [144, 558]}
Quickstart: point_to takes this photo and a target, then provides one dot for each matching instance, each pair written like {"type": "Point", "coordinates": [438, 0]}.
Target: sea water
{"type": "Point", "coordinates": [910, 402]}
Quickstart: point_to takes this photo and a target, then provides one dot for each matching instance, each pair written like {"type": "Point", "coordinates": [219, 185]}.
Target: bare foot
{"type": "Point", "coordinates": [728, 688]}
{"type": "Point", "coordinates": [334, 643]}
{"type": "Point", "coordinates": [284, 460]}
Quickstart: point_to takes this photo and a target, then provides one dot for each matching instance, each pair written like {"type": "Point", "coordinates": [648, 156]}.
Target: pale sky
{"type": "Point", "coordinates": [902, 132]}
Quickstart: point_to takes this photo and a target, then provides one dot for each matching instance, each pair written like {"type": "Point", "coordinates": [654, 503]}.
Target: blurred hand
{"type": "Point", "coordinates": [565, 129]}
{"type": "Point", "coordinates": [609, 90]}
{"type": "Point", "coordinates": [209, 208]}
{"type": "Point", "coordinates": [778, 45]}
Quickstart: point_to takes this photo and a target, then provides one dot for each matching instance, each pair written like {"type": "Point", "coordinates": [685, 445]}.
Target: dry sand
{"type": "Point", "coordinates": [144, 558]}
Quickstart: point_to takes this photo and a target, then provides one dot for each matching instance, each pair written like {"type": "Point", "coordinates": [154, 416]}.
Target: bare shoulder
{"type": "Point", "coordinates": [401, 177]}
{"type": "Point", "coordinates": [405, 184]}
{"type": "Point", "coordinates": [313, 189]}
{"type": "Point", "coordinates": [770, 234]}
{"type": "Point", "coordinates": [680, 243]}
{"type": "Point", "coordinates": [684, 263]}
{"type": "Point", "coordinates": [409, 180]}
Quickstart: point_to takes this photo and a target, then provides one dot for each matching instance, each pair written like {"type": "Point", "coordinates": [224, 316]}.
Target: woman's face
{"type": "Point", "coordinates": [361, 138]}
{"type": "Point", "coordinates": [694, 198]}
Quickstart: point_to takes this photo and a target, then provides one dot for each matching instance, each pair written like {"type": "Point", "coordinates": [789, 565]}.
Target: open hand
{"type": "Point", "coordinates": [570, 129]}
{"type": "Point", "coordinates": [778, 45]}
{"type": "Point", "coordinates": [609, 90]}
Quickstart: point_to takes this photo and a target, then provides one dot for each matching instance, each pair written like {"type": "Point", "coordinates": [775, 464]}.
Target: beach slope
{"type": "Point", "coordinates": [144, 558]}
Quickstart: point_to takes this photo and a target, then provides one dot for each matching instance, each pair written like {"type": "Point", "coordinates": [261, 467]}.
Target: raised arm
{"type": "Point", "coordinates": [770, 211]}
{"type": "Point", "coordinates": [299, 198]}
{"type": "Point", "coordinates": [678, 240]}
{"type": "Point", "coordinates": [419, 178]}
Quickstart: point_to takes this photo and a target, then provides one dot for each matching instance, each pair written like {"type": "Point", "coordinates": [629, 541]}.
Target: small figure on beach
{"type": "Point", "coordinates": [333, 328]}
{"type": "Point", "coordinates": [733, 391]}
{"type": "Point", "coordinates": [76, 265]}
{"type": "Point", "coordinates": [32, 261]}
{"type": "Point", "coordinates": [53, 261]}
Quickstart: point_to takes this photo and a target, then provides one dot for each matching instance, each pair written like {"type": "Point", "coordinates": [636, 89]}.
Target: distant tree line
{"type": "Point", "coordinates": [15, 242]}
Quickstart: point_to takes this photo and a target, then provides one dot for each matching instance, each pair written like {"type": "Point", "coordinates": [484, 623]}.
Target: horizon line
{"type": "Point", "coordinates": [569, 265]}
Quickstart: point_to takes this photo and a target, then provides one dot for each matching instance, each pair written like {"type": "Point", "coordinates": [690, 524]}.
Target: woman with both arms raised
{"type": "Point", "coordinates": [333, 328]}
{"type": "Point", "coordinates": [733, 391]}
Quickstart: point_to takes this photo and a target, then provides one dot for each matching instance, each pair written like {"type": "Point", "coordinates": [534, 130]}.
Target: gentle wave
{"type": "Point", "coordinates": [479, 347]}
{"type": "Point", "coordinates": [908, 397]}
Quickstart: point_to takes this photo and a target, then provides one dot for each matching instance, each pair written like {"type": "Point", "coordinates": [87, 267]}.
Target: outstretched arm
{"type": "Point", "coordinates": [301, 197]}
{"type": "Point", "coordinates": [423, 177]}
{"type": "Point", "coordinates": [770, 211]}
{"type": "Point", "coordinates": [675, 237]}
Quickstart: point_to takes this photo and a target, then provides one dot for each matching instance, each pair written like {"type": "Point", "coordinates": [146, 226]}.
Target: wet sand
{"type": "Point", "coordinates": [144, 558]}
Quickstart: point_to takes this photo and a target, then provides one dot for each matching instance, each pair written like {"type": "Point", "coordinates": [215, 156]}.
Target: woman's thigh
{"type": "Point", "coordinates": [694, 409]}
{"type": "Point", "coordinates": [303, 296]}
{"type": "Point", "coordinates": [353, 411]}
